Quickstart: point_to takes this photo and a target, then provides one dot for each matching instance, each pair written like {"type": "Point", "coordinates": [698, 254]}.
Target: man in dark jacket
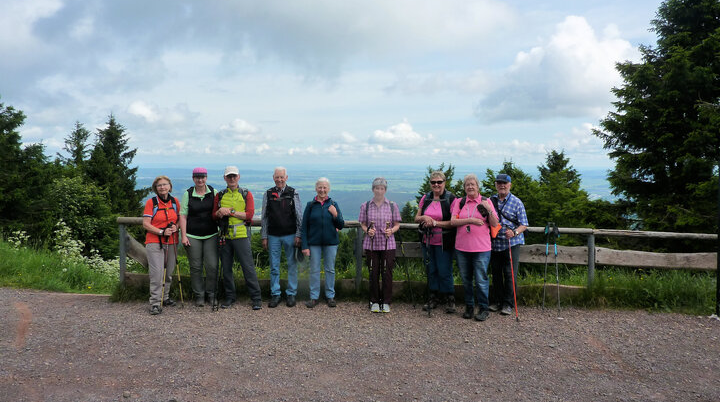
{"type": "Point", "coordinates": [281, 219]}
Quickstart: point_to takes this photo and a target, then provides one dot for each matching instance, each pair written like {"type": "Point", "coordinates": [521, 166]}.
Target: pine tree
{"type": "Point", "coordinates": [663, 145]}
{"type": "Point", "coordinates": [76, 146]}
{"type": "Point", "coordinates": [109, 167]}
{"type": "Point", "coordinates": [23, 177]}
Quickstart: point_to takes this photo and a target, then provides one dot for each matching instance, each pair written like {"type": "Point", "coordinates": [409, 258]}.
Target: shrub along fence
{"type": "Point", "coordinates": [588, 255]}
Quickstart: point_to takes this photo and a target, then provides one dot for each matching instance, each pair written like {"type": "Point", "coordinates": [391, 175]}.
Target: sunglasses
{"type": "Point", "coordinates": [231, 176]}
{"type": "Point", "coordinates": [437, 181]}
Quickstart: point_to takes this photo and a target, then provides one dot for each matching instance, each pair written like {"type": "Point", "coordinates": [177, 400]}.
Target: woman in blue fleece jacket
{"type": "Point", "coordinates": [319, 232]}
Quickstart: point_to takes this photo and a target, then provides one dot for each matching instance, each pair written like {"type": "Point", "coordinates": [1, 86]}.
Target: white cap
{"type": "Point", "coordinates": [231, 170]}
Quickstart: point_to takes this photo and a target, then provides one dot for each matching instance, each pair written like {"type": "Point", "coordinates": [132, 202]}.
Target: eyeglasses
{"type": "Point", "coordinates": [437, 182]}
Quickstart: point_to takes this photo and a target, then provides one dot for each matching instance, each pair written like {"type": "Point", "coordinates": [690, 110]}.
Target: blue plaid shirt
{"type": "Point", "coordinates": [514, 209]}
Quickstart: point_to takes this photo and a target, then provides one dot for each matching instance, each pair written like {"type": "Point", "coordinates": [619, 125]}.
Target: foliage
{"type": "Point", "coordinates": [23, 177]}
{"type": "Point", "coordinates": [109, 167]}
{"type": "Point", "coordinates": [84, 208]}
{"type": "Point", "coordinates": [76, 147]}
{"type": "Point", "coordinates": [651, 289]}
{"type": "Point", "coordinates": [663, 145]}
{"type": "Point", "coordinates": [25, 267]}
{"type": "Point", "coordinates": [408, 212]}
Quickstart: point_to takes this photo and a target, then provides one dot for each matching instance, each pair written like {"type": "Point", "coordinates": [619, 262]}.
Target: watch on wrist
{"type": "Point", "coordinates": [515, 233]}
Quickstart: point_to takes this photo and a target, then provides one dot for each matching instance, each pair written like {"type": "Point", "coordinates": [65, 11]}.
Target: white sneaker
{"type": "Point", "coordinates": [375, 308]}
{"type": "Point", "coordinates": [386, 308]}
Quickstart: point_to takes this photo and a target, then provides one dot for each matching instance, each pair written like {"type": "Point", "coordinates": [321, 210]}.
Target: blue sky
{"type": "Point", "coordinates": [323, 82]}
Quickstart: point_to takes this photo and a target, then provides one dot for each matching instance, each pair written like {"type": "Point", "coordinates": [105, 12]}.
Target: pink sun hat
{"type": "Point", "coordinates": [199, 172]}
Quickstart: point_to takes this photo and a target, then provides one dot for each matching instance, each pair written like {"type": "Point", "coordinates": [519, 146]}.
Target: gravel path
{"type": "Point", "coordinates": [63, 347]}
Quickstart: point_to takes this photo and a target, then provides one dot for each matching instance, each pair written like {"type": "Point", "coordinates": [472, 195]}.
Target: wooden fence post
{"type": "Point", "coordinates": [123, 252]}
{"type": "Point", "coordinates": [591, 259]}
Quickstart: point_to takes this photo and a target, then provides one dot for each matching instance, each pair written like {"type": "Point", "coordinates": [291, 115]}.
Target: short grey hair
{"type": "Point", "coordinates": [379, 181]}
{"type": "Point", "coordinates": [279, 168]}
{"type": "Point", "coordinates": [437, 173]}
{"type": "Point", "coordinates": [471, 176]}
{"type": "Point", "coordinates": [322, 180]}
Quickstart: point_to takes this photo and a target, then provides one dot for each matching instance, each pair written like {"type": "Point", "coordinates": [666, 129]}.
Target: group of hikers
{"type": "Point", "coordinates": [481, 233]}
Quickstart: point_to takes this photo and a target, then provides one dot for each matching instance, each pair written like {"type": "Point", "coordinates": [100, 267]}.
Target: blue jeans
{"type": "Point", "coordinates": [328, 254]}
{"type": "Point", "coordinates": [275, 246]}
{"type": "Point", "coordinates": [440, 278]}
{"type": "Point", "coordinates": [474, 264]}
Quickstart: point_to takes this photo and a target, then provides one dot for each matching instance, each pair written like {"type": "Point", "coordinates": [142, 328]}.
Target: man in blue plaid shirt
{"type": "Point", "coordinates": [513, 219]}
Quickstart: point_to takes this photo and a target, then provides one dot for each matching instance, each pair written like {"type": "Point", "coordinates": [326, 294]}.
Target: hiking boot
{"type": "Point", "coordinates": [450, 305]}
{"type": "Point", "coordinates": [200, 300]}
{"type": "Point", "coordinates": [482, 315]}
{"type": "Point", "coordinates": [274, 301]}
{"type": "Point", "coordinates": [331, 302]}
{"type": "Point", "coordinates": [290, 301]}
{"type": "Point", "coordinates": [431, 304]}
{"type": "Point", "coordinates": [311, 303]}
{"type": "Point", "coordinates": [227, 304]}
{"type": "Point", "coordinates": [494, 307]}
{"type": "Point", "coordinates": [469, 311]}
{"type": "Point", "coordinates": [386, 308]}
{"type": "Point", "coordinates": [169, 302]}
{"type": "Point", "coordinates": [375, 308]}
{"type": "Point", "coordinates": [257, 304]}
{"type": "Point", "coordinates": [506, 310]}
{"type": "Point", "coordinates": [155, 310]}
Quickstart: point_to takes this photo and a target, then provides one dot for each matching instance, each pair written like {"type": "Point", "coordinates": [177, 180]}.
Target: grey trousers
{"type": "Point", "coordinates": [156, 261]}
{"type": "Point", "coordinates": [239, 250]}
{"type": "Point", "coordinates": [203, 252]}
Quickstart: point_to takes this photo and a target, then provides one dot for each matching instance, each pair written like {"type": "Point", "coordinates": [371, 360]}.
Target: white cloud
{"type": "Point", "coordinates": [154, 114]}
{"type": "Point", "coordinates": [240, 130]}
{"type": "Point", "coordinates": [240, 126]}
{"type": "Point", "coordinates": [569, 76]}
{"type": "Point", "coordinates": [400, 135]}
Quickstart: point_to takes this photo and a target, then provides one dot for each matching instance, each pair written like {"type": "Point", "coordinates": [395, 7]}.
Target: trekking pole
{"type": "Point", "coordinates": [370, 265]}
{"type": "Point", "coordinates": [547, 251]}
{"type": "Point", "coordinates": [215, 302]}
{"type": "Point", "coordinates": [177, 267]}
{"type": "Point", "coordinates": [384, 265]}
{"type": "Point", "coordinates": [512, 274]}
{"type": "Point", "coordinates": [162, 288]}
{"type": "Point", "coordinates": [556, 234]}
{"type": "Point", "coordinates": [426, 261]}
{"type": "Point", "coordinates": [407, 275]}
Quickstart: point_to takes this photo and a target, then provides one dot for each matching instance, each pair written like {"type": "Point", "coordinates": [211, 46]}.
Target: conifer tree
{"type": "Point", "coordinates": [23, 176]}
{"type": "Point", "coordinates": [109, 167]}
{"type": "Point", "coordinates": [76, 146]}
{"type": "Point", "coordinates": [663, 145]}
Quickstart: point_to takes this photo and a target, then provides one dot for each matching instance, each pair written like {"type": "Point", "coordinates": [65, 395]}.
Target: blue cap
{"type": "Point", "coordinates": [503, 178]}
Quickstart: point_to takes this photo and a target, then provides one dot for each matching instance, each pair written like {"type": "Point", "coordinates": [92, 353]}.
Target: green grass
{"type": "Point", "coordinates": [44, 270]}
{"type": "Point", "coordinates": [689, 292]}
{"type": "Point", "coordinates": [654, 290]}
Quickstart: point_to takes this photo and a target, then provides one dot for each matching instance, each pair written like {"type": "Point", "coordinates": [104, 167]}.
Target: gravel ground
{"type": "Point", "coordinates": [66, 347]}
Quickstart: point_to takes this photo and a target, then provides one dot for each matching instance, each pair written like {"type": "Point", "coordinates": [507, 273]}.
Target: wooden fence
{"type": "Point", "coordinates": [588, 255]}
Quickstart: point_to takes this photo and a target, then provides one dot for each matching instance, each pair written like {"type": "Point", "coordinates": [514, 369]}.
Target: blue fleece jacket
{"type": "Point", "coordinates": [319, 228]}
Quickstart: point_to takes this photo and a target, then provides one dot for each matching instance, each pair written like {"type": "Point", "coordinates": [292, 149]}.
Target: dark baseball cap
{"type": "Point", "coordinates": [505, 178]}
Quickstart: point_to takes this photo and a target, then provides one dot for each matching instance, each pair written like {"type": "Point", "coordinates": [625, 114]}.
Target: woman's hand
{"type": "Point", "coordinates": [186, 241]}
{"type": "Point", "coordinates": [306, 252]}
{"type": "Point", "coordinates": [333, 211]}
{"type": "Point", "coordinates": [371, 231]}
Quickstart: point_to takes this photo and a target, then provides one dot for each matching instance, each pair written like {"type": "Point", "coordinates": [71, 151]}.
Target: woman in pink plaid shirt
{"type": "Point", "coordinates": [380, 219]}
